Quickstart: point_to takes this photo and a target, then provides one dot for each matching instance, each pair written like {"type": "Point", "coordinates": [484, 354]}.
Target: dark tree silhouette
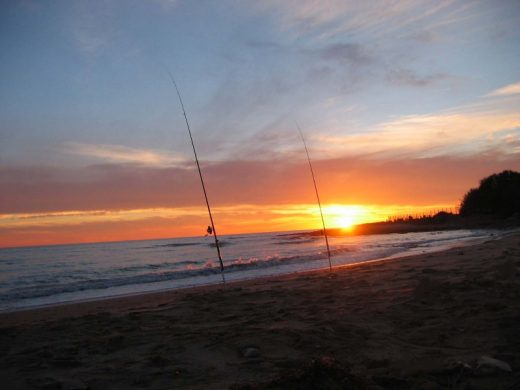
{"type": "Point", "coordinates": [498, 194]}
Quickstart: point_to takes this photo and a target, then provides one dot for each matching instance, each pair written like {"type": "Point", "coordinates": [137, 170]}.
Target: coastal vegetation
{"type": "Point", "coordinates": [494, 204]}
{"type": "Point", "coordinates": [498, 195]}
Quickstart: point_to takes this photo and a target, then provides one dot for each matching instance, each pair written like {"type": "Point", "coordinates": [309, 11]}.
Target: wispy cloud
{"type": "Point", "coordinates": [124, 154]}
{"type": "Point", "coordinates": [448, 133]}
{"type": "Point", "coordinates": [87, 216]}
{"type": "Point", "coordinates": [511, 89]}
{"type": "Point", "coordinates": [94, 26]}
{"type": "Point", "coordinates": [91, 27]}
{"type": "Point", "coordinates": [89, 41]}
{"type": "Point", "coordinates": [333, 17]}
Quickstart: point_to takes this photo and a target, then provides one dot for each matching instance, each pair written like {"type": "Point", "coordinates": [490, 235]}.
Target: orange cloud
{"type": "Point", "coordinates": [124, 154]}
{"type": "Point", "coordinates": [351, 180]}
{"type": "Point", "coordinates": [107, 225]}
{"type": "Point", "coordinates": [425, 135]}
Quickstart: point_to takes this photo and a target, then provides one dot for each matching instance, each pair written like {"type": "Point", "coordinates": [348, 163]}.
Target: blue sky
{"type": "Point", "coordinates": [85, 94]}
{"type": "Point", "coordinates": [77, 72]}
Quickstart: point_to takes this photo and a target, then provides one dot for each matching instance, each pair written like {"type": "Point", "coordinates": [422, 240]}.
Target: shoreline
{"type": "Point", "coordinates": [430, 224]}
{"type": "Point", "coordinates": [421, 321]}
{"type": "Point", "coordinates": [397, 256]}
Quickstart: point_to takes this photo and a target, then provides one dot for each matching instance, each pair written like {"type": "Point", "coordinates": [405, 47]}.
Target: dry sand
{"type": "Point", "coordinates": [420, 322]}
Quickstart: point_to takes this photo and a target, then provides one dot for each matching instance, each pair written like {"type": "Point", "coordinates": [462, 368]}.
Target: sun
{"type": "Point", "coordinates": [344, 217]}
{"type": "Point", "coordinates": [346, 221]}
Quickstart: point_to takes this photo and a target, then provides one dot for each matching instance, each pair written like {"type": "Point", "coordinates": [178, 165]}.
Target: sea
{"type": "Point", "coordinates": [49, 275]}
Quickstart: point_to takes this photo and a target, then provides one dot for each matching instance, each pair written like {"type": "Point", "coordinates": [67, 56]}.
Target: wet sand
{"type": "Point", "coordinates": [420, 322]}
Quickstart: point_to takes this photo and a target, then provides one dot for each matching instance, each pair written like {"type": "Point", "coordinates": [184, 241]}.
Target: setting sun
{"type": "Point", "coordinates": [346, 221]}
{"type": "Point", "coordinates": [345, 217]}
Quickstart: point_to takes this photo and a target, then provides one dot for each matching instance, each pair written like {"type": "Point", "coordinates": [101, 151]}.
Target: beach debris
{"type": "Point", "coordinates": [452, 373]}
{"type": "Point", "coordinates": [453, 365]}
{"type": "Point", "coordinates": [251, 352]}
{"type": "Point", "coordinates": [484, 366]}
{"type": "Point", "coordinates": [487, 365]}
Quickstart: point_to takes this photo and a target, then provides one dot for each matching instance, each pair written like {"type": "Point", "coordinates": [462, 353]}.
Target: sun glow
{"type": "Point", "coordinates": [340, 216]}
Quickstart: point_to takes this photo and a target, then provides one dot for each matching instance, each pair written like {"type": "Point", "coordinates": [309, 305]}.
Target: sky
{"type": "Point", "coordinates": [405, 105]}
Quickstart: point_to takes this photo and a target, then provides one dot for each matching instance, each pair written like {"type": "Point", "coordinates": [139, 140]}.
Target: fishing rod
{"type": "Point", "coordinates": [317, 195]}
{"type": "Point", "coordinates": [201, 181]}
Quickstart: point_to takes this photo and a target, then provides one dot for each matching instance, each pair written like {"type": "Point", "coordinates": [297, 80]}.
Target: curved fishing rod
{"type": "Point", "coordinates": [317, 195]}
{"type": "Point", "coordinates": [201, 180]}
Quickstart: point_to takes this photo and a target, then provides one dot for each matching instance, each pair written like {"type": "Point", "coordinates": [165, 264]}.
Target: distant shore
{"type": "Point", "coordinates": [443, 221]}
{"type": "Point", "coordinates": [424, 321]}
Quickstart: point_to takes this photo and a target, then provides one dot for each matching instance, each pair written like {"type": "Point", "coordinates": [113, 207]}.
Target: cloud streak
{"type": "Point", "coordinates": [333, 17]}
{"type": "Point", "coordinates": [124, 154]}
{"type": "Point", "coordinates": [91, 28]}
{"type": "Point", "coordinates": [446, 133]}
{"type": "Point", "coordinates": [511, 89]}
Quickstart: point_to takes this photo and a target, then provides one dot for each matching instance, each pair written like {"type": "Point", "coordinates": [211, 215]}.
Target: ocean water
{"type": "Point", "coordinates": [47, 275]}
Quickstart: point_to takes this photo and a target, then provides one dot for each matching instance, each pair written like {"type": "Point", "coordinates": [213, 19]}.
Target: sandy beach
{"type": "Point", "coordinates": [444, 320]}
